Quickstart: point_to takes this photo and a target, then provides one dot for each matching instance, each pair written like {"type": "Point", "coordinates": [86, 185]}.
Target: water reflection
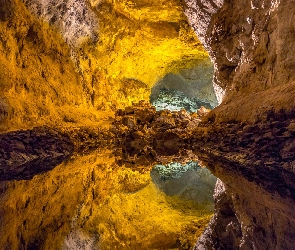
{"type": "Point", "coordinates": [187, 181]}
{"type": "Point", "coordinates": [104, 201]}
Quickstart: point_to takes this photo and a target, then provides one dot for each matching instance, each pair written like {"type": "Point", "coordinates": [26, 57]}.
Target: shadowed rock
{"type": "Point", "coordinates": [24, 154]}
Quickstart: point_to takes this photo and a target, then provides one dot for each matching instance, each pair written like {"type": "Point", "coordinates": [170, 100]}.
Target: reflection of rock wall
{"type": "Point", "coordinates": [224, 225]}
{"type": "Point", "coordinates": [90, 201]}
{"type": "Point", "coordinates": [187, 181]}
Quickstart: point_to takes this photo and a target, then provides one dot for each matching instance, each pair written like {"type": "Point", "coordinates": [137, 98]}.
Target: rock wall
{"type": "Point", "coordinates": [63, 60]}
{"type": "Point", "coordinates": [35, 70]}
{"type": "Point", "coordinates": [252, 151]}
{"type": "Point", "coordinates": [249, 43]}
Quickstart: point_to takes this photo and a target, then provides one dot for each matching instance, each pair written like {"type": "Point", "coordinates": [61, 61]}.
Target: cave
{"type": "Point", "coordinates": [147, 124]}
{"type": "Point", "coordinates": [189, 89]}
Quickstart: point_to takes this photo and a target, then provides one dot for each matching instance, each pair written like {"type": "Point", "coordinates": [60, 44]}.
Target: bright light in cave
{"type": "Point", "coordinates": [188, 89]}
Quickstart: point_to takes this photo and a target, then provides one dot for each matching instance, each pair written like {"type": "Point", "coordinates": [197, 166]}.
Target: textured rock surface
{"type": "Point", "coordinates": [247, 142]}
{"type": "Point", "coordinates": [62, 60]}
{"type": "Point", "coordinates": [160, 135]}
{"type": "Point", "coordinates": [75, 20]}
{"type": "Point", "coordinates": [35, 71]}
{"type": "Point", "coordinates": [224, 229]}
{"type": "Point", "coordinates": [249, 43]}
{"type": "Point", "coordinates": [194, 84]}
{"type": "Point", "coordinates": [252, 150]}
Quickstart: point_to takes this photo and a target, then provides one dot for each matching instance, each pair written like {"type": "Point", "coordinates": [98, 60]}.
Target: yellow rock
{"type": "Point", "coordinates": [45, 79]}
{"type": "Point", "coordinates": [92, 199]}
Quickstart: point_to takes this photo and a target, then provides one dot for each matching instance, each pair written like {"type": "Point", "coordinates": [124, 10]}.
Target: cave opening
{"type": "Point", "coordinates": [187, 89]}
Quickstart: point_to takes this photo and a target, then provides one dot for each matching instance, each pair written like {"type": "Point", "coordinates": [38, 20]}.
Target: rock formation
{"type": "Point", "coordinates": [252, 150]}
{"type": "Point", "coordinates": [63, 61]}
{"type": "Point", "coordinates": [160, 135]}
{"type": "Point", "coordinates": [249, 44]}
{"type": "Point", "coordinates": [72, 64]}
{"type": "Point", "coordinates": [193, 87]}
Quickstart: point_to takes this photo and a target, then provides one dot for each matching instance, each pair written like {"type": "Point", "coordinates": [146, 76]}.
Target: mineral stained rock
{"type": "Point", "coordinates": [249, 43]}
{"type": "Point", "coordinates": [251, 150]}
{"type": "Point", "coordinates": [63, 61]}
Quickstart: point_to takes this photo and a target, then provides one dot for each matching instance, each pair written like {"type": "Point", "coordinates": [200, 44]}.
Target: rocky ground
{"type": "Point", "coordinates": [158, 136]}
{"type": "Point", "coordinates": [142, 135]}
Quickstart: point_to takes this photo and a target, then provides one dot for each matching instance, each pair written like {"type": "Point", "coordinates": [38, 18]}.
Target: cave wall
{"type": "Point", "coordinates": [35, 69]}
{"type": "Point", "coordinates": [248, 141]}
{"type": "Point", "coordinates": [194, 83]}
{"type": "Point", "coordinates": [62, 61]}
{"type": "Point", "coordinates": [250, 43]}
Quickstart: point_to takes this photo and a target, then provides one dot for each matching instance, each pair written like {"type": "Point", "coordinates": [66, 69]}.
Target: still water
{"type": "Point", "coordinates": [96, 201]}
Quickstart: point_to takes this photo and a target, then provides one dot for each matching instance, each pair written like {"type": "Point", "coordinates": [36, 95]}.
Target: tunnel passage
{"type": "Point", "coordinates": [188, 89]}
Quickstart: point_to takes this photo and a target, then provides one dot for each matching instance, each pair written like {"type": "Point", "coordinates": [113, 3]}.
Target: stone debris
{"type": "Point", "coordinates": [202, 111]}
{"type": "Point", "coordinates": [143, 117]}
{"type": "Point", "coordinates": [154, 136]}
{"type": "Point", "coordinates": [145, 136]}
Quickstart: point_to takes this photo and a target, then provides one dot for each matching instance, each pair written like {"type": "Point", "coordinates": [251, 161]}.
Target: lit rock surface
{"type": "Point", "coordinates": [189, 89]}
{"type": "Point", "coordinates": [251, 151]}
{"type": "Point", "coordinates": [62, 61]}
{"type": "Point", "coordinates": [249, 43]}
{"type": "Point", "coordinates": [146, 133]}
{"type": "Point", "coordinates": [75, 20]}
{"type": "Point", "coordinates": [35, 71]}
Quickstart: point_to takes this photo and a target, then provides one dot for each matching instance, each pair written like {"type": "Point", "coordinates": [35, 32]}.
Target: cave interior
{"type": "Point", "coordinates": [147, 124]}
